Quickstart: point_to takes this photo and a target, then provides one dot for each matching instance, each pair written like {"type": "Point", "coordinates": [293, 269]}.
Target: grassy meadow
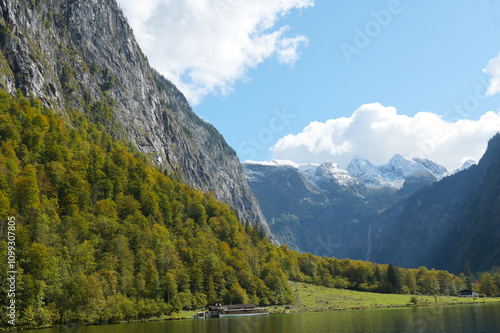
{"type": "Point", "coordinates": [316, 298]}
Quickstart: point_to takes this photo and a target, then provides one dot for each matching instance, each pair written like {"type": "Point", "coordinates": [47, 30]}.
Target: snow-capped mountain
{"type": "Point", "coordinates": [437, 169]}
{"type": "Point", "coordinates": [362, 172]}
{"type": "Point", "coordinates": [306, 201]}
{"type": "Point", "coordinates": [329, 171]}
{"type": "Point", "coordinates": [467, 164]}
{"type": "Point", "coordinates": [366, 171]}
{"type": "Point", "coordinates": [259, 171]}
{"type": "Point", "coordinates": [396, 172]}
{"type": "Point", "coordinates": [316, 173]}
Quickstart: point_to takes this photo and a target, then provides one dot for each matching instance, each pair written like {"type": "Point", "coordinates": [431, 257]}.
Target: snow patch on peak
{"type": "Point", "coordinates": [437, 169]}
{"type": "Point", "coordinates": [284, 163]}
{"type": "Point", "coordinates": [402, 167]}
{"type": "Point", "coordinates": [394, 173]}
{"type": "Point", "coordinates": [273, 163]}
{"type": "Point", "coordinates": [329, 170]}
{"type": "Point", "coordinates": [306, 169]}
{"type": "Point", "coordinates": [467, 164]}
{"type": "Point", "coordinates": [331, 167]}
{"type": "Point", "coordinates": [366, 171]}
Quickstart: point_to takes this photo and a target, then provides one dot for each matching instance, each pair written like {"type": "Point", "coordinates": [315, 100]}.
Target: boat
{"type": "Point", "coordinates": [239, 310]}
{"type": "Point", "coordinates": [229, 313]}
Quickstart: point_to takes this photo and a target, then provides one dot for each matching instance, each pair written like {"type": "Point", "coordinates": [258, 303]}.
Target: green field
{"type": "Point", "coordinates": [315, 298]}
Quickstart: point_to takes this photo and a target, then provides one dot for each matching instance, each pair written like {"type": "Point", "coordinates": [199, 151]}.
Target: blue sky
{"type": "Point", "coordinates": [414, 56]}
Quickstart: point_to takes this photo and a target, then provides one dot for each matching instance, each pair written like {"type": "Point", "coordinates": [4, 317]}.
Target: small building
{"type": "Point", "coordinates": [467, 293]}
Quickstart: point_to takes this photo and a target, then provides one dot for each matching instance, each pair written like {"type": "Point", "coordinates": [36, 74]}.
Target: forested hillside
{"type": "Point", "coordinates": [102, 236]}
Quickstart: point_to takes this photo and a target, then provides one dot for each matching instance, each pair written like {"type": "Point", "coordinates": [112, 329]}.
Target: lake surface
{"type": "Point", "coordinates": [453, 319]}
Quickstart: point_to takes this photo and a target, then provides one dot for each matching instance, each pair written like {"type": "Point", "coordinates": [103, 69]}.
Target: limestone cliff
{"type": "Point", "coordinates": [81, 55]}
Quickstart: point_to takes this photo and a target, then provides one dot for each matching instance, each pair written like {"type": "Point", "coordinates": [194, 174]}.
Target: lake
{"type": "Point", "coordinates": [458, 318]}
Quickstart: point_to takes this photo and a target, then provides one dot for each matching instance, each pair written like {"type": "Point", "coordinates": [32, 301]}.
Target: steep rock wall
{"type": "Point", "coordinates": [82, 55]}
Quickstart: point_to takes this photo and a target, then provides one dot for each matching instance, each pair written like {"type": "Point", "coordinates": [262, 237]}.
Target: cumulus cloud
{"type": "Point", "coordinates": [493, 69]}
{"type": "Point", "coordinates": [376, 133]}
{"type": "Point", "coordinates": [205, 46]}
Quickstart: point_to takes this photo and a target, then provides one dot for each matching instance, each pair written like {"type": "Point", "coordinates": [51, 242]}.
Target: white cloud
{"type": "Point", "coordinates": [205, 46]}
{"type": "Point", "coordinates": [493, 69]}
{"type": "Point", "coordinates": [376, 133]}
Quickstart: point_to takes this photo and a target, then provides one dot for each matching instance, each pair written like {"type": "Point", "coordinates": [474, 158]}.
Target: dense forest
{"type": "Point", "coordinates": [102, 236]}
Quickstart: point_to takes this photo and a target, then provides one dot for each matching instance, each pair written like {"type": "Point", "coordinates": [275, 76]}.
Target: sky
{"type": "Point", "coordinates": [321, 80]}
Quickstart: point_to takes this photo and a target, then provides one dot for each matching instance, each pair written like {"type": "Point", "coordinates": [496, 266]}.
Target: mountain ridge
{"type": "Point", "coordinates": [393, 174]}
{"type": "Point", "coordinates": [447, 224]}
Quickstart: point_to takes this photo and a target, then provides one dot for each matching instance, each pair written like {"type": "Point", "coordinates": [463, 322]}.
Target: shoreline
{"type": "Point", "coordinates": [311, 298]}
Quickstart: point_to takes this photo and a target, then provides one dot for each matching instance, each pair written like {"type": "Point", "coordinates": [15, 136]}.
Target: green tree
{"type": "Point", "coordinates": [446, 284]}
{"type": "Point", "coordinates": [27, 190]}
{"type": "Point", "coordinates": [83, 301]}
{"type": "Point", "coordinates": [410, 281]}
{"type": "Point", "coordinates": [84, 259]}
{"type": "Point", "coordinates": [469, 277]}
{"type": "Point", "coordinates": [487, 285]}
{"type": "Point", "coordinates": [169, 287]}
{"type": "Point", "coordinates": [394, 278]}
{"type": "Point", "coordinates": [4, 205]}
{"type": "Point", "coordinates": [428, 283]}
{"type": "Point", "coordinates": [237, 295]}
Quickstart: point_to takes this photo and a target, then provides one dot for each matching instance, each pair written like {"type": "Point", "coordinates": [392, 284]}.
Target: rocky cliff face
{"type": "Point", "coordinates": [82, 56]}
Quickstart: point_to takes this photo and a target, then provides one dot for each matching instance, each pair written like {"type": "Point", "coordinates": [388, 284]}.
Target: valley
{"type": "Point", "coordinates": [130, 207]}
{"type": "Point", "coordinates": [326, 210]}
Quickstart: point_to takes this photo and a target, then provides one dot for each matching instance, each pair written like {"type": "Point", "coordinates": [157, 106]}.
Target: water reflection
{"type": "Point", "coordinates": [469, 318]}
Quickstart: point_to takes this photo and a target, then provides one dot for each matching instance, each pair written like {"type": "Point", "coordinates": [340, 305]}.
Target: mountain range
{"type": "Point", "coordinates": [360, 212]}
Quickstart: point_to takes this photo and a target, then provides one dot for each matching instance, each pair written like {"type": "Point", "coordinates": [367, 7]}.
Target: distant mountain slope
{"type": "Point", "coordinates": [444, 225]}
{"type": "Point", "coordinates": [82, 55]}
{"type": "Point", "coordinates": [326, 210]}
{"type": "Point", "coordinates": [302, 214]}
